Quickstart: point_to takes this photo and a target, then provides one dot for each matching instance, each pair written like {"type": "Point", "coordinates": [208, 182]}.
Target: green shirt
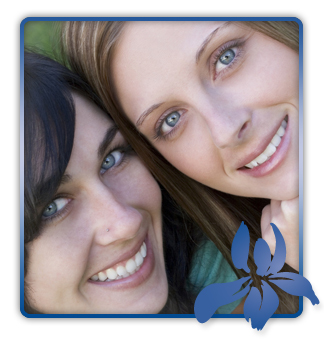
{"type": "Point", "coordinates": [209, 267]}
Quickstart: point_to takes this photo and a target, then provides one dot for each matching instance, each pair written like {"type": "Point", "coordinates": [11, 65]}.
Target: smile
{"type": "Point", "coordinates": [270, 149]}
{"type": "Point", "coordinates": [123, 269]}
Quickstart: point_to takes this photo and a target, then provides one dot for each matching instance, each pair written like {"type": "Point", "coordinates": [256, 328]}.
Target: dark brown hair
{"type": "Point", "coordinates": [89, 50]}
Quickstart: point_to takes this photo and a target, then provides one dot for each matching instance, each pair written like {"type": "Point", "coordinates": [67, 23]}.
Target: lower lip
{"type": "Point", "coordinates": [135, 279]}
{"type": "Point", "coordinates": [275, 161]}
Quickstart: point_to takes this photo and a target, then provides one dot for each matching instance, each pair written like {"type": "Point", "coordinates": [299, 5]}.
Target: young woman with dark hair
{"type": "Point", "coordinates": [101, 236]}
{"type": "Point", "coordinates": [153, 76]}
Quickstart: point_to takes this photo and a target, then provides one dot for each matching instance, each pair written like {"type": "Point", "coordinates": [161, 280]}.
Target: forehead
{"type": "Point", "coordinates": [91, 125]}
{"type": "Point", "coordinates": [165, 33]}
{"type": "Point", "coordinates": [152, 56]}
{"type": "Point", "coordinates": [89, 119]}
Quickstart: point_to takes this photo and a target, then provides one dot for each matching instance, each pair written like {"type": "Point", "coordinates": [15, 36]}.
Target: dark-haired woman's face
{"type": "Point", "coordinates": [218, 100]}
{"type": "Point", "coordinates": [100, 249]}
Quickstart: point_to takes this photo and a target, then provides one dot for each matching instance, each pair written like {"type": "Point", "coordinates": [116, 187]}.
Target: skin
{"type": "Point", "coordinates": [227, 114]}
{"type": "Point", "coordinates": [75, 245]}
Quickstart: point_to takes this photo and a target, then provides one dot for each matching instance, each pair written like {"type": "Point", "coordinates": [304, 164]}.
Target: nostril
{"type": "Point", "coordinates": [242, 130]}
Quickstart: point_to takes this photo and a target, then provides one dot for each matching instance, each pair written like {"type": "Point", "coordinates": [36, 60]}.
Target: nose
{"type": "Point", "coordinates": [227, 124]}
{"type": "Point", "coordinates": [111, 218]}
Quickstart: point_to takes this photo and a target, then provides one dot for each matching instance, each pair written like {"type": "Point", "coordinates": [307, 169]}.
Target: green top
{"type": "Point", "coordinates": [209, 267]}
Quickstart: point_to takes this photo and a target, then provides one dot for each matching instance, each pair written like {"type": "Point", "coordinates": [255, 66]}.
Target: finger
{"type": "Point", "coordinates": [266, 229]}
{"type": "Point", "coordinates": [275, 208]}
{"type": "Point", "coordinates": [290, 208]}
{"type": "Point", "coordinates": [265, 218]}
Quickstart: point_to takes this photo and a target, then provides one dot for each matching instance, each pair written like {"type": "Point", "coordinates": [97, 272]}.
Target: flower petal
{"type": "Point", "coordinates": [296, 285]}
{"type": "Point", "coordinates": [240, 248]}
{"type": "Point", "coordinates": [262, 257]}
{"type": "Point", "coordinates": [215, 295]}
{"type": "Point", "coordinates": [260, 310]}
{"type": "Point", "coordinates": [279, 256]}
{"type": "Point", "coordinates": [252, 304]}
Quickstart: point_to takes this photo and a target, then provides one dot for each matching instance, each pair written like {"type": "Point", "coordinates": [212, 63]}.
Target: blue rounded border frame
{"type": "Point", "coordinates": [21, 178]}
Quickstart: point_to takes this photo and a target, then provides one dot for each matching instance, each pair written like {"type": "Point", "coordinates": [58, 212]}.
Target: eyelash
{"type": "Point", "coordinates": [124, 148]}
{"type": "Point", "coordinates": [158, 127]}
{"type": "Point", "coordinates": [227, 46]}
{"type": "Point", "coordinates": [57, 215]}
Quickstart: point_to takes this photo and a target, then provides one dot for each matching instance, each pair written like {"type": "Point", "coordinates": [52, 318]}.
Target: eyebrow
{"type": "Point", "coordinates": [106, 141]}
{"type": "Point", "coordinates": [205, 43]}
{"type": "Point", "coordinates": [65, 179]}
{"type": "Point", "coordinates": [146, 113]}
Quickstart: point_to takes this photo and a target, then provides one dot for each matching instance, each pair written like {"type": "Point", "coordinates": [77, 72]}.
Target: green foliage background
{"type": "Point", "coordinates": [43, 37]}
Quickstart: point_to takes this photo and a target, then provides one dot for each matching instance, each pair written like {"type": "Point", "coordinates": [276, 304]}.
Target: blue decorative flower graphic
{"type": "Point", "coordinates": [257, 307]}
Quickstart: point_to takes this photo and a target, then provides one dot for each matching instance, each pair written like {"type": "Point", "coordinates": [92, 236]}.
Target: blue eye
{"type": "Point", "coordinates": [226, 60]}
{"type": "Point", "coordinates": [55, 206]}
{"type": "Point", "coordinates": [170, 121]}
{"type": "Point", "coordinates": [227, 57]}
{"type": "Point", "coordinates": [111, 160]}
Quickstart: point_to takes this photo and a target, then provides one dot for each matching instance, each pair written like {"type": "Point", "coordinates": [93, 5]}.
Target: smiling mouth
{"type": "Point", "coordinates": [124, 269]}
{"type": "Point", "coordinates": [271, 148]}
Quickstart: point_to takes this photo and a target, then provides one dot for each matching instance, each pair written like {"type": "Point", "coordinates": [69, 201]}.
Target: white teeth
{"type": "Point", "coordinates": [252, 164]}
{"type": "Point", "coordinates": [111, 274]}
{"type": "Point", "coordinates": [132, 265]}
{"type": "Point", "coordinates": [261, 158]}
{"type": "Point", "coordinates": [138, 259]}
{"type": "Point", "coordinates": [121, 270]}
{"type": "Point", "coordinates": [143, 251]}
{"type": "Point", "coordinates": [102, 276]}
{"type": "Point", "coordinates": [281, 131]}
{"type": "Point", "coordinates": [276, 140]}
{"type": "Point", "coordinates": [271, 148]}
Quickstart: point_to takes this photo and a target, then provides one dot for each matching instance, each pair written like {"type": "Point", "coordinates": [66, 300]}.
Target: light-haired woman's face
{"type": "Point", "coordinates": [218, 100]}
{"type": "Point", "coordinates": [100, 248]}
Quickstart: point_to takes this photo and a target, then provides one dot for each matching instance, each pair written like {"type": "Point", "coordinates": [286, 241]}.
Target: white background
{"type": "Point", "coordinates": [14, 325]}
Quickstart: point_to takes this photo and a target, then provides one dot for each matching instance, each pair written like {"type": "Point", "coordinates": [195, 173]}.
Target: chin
{"type": "Point", "coordinates": [282, 192]}
{"type": "Point", "coordinates": [286, 190]}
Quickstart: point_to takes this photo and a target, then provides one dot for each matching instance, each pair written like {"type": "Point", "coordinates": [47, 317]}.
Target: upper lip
{"type": "Point", "coordinates": [261, 146]}
{"type": "Point", "coordinates": [127, 254]}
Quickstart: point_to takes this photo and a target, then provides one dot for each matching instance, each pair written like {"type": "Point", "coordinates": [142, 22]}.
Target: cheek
{"type": "Point", "coordinates": [139, 189]}
{"type": "Point", "coordinates": [193, 152]}
{"type": "Point", "coordinates": [274, 75]}
{"type": "Point", "coordinates": [146, 190]}
{"type": "Point", "coordinates": [51, 272]}
{"type": "Point", "coordinates": [283, 79]}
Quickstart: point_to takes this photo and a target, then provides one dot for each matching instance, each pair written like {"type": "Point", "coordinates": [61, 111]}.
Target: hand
{"type": "Point", "coordinates": [284, 214]}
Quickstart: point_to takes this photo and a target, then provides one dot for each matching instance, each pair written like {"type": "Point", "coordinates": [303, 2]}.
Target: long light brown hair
{"type": "Point", "coordinates": [89, 48]}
